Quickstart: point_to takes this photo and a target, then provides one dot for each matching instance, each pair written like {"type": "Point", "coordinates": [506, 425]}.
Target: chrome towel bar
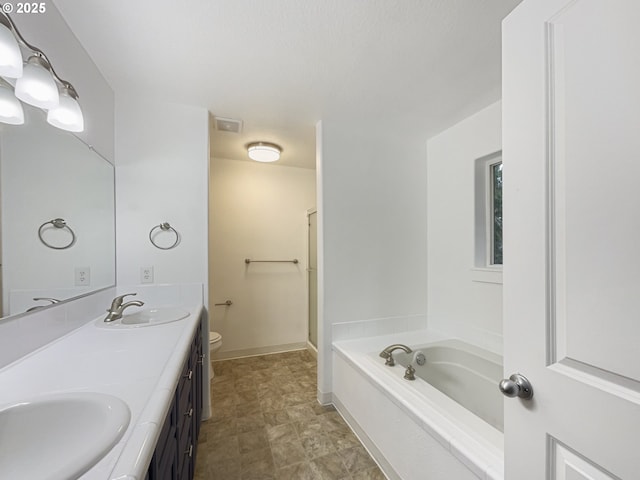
{"type": "Point", "coordinates": [248, 260]}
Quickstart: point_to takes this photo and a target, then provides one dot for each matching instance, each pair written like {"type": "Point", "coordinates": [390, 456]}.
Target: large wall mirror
{"type": "Point", "coordinates": [56, 216]}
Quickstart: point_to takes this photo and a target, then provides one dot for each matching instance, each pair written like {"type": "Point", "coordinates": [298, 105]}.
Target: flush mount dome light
{"type": "Point", "coordinates": [264, 151]}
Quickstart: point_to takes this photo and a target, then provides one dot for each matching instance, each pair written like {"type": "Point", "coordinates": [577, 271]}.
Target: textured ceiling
{"type": "Point", "coordinates": [408, 68]}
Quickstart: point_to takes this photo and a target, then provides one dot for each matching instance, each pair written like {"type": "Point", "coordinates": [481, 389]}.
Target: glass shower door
{"type": "Point", "coordinates": [312, 272]}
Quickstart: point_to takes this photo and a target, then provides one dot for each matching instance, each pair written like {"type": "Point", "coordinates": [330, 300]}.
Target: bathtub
{"type": "Point", "coordinates": [446, 424]}
{"type": "Point", "coordinates": [465, 373]}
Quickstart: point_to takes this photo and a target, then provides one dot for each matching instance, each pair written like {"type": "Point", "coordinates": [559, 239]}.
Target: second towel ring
{"type": "Point", "coordinates": [57, 223]}
{"type": "Point", "coordinates": [164, 227]}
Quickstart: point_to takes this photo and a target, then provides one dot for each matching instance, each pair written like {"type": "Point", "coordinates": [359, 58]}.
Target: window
{"type": "Point", "coordinates": [488, 255]}
{"type": "Point", "coordinates": [495, 211]}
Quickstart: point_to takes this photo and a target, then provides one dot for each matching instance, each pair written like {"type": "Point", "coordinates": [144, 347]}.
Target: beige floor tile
{"type": "Point", "coordinates": [356, 459]}
{"type": "Point", "coordinates": [228, 469]}
{"type": "Point", "coordinates": [267, 425]}
{"type": "Point", "coordinates": [343, 439]}
{"type": "Point", "coordinates": [250, 423]}
{"type": "Point", "coordinates": [298, 471]}
{"type": "Point", "coordinates": [371, 474]}
{"type": "Point", "coordinates": [253, 441]}
{"type": "Point", "coordinates": [309, 427]}
{"type": "Point", "coordinates": [261, 455]}
{"type": "Point", "coordinates": [282, 433]}
{"type": "Point", "coordinates": [278, 417]}
{"type": "Point", "coordinates": [287, 453]}
{"type": "Point", "coordinates": [317, 446]}
{"type": "Point", "coordinates": [299, 413]}
{"type": "Point", "coordinates": [330, 467]}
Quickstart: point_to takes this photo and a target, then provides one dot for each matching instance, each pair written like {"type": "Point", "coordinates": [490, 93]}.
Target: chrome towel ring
{"type": "Point", "coordinates": [57, 223]}
{"type": "Point", "coordinates": [164, 227]}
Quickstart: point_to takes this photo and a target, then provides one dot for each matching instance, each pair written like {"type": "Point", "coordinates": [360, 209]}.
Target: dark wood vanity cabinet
{"type": "Point", "coordinates": [175, 454]}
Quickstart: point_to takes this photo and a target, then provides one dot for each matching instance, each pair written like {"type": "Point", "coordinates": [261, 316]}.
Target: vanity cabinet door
{"type": "Point", "coordinates": [175, 453]}
{"type": "Point", "coordinates": [164, 462]}
{"type": "Point", "coordinates": [198, 384]}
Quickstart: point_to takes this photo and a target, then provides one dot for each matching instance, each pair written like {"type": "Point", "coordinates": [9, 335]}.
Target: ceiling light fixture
{"type": "Point", "coordinates": [264, 151]}
{"type": "Point", "coordinates": [37, 82]}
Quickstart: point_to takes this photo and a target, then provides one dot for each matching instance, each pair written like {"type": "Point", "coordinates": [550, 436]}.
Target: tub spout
{"type": "Point", "coordinates": [387, 353]}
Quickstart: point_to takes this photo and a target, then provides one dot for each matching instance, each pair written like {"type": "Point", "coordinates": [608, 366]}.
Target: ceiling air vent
{"type": "Point", "coordinates": [228, 125]}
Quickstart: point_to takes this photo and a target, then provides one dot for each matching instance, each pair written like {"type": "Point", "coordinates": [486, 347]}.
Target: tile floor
{"type": "Point", "coordinates": [268, 425]}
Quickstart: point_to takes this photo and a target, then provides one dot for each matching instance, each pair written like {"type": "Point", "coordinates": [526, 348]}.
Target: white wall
{"type": "Point", "coordinates": [458, 304]}
{"type": "Point", "coordinates": [162, 153]}
{"type": "Point", "coordinates": [373, 224]}
{"type": "Point", "coordinates": [258, 211]}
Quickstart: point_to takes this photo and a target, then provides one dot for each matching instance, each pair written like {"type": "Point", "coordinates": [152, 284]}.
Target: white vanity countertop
{"type": "Point", "coordinates": [140, 365]}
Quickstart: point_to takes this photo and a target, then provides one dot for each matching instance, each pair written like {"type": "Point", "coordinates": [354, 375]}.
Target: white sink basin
{"type": "Point", "coordinates": [155, 316]}
{"type": "Point", "coordinates": [146, 318]}
{"type": "Point", "coordinates": [59, 436]}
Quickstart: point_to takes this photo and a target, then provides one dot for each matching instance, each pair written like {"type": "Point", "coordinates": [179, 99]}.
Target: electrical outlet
{"type": "Point", "coordinates": [146, 275]}
{"type": "Point", "coordinates": [83, 276]}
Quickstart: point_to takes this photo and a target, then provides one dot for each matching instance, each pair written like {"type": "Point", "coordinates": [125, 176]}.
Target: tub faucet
{"type": "Point", "coordinates": [117, 307]}
{"type": "Point", "coordinates": [387, 353]}
{"type": "Point", "coordinates": [410, 373]}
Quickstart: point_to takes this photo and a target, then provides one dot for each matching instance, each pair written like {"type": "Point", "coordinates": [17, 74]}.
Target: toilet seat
{"type": "Point", "coordinates": [214, 337]}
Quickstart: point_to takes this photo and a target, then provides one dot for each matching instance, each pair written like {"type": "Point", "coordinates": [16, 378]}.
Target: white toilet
{"type": "Point", "coordinates": [215, 342]}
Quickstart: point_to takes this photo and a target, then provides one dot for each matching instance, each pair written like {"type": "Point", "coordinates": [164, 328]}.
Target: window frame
{"type": "Point", "coordinates": [483, 269]}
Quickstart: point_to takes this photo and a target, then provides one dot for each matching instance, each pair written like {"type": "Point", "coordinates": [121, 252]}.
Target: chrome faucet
{"type": "Point", "coordinates": [38, 299]}
{"type": "Point", "coordinates": [387, 353]}
{"type": "Point", "coordinates": [117, 307]}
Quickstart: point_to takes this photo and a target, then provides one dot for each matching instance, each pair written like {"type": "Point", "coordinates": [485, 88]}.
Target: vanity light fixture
{"type": "Point", "coordinates": [11, 111]}
{"type": "Point", "coordinates": [36, 86]}
{"type": "Point", "coordinates": [264, 151]}
{"type": "Point", "coordinates": [67, 115]}
{"type": "Point", "coordinates": [10, 56]}
{"type": "Point", "coordinates": [37, 83]}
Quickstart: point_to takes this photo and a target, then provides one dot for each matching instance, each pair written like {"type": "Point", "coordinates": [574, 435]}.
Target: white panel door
{"type": "Point", "coordinates": [571, 134]}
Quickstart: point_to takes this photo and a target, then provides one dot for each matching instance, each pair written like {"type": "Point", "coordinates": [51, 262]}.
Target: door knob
{"type": "Point", "coordinates": [516, 386]}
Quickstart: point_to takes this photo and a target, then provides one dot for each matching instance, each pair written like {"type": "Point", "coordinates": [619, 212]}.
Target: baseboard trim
{"type": "Point", "coordinates": [252, 352]}
{"type": "Point", "coordinates": [368, 444]}
{"type": "Point", "coordinates": [325, 398]}
{"type": "Point", "coordinates": [312, 350]}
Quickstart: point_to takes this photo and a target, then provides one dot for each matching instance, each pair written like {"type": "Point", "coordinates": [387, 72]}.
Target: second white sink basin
{"type": "Point", "coordinates": [59, 436]}
{"type": "Point", "coordinates": [155, 316]}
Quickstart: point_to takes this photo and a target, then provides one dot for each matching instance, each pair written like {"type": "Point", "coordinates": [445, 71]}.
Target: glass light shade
{"type": "Point", "coordinates": [264, 152]}
{"type": "Point", "coordinates": [11, 111]}
{"type": "Point", "coordinates": [37, 86]}
{"type": "Point", "coordinates": [67, 115]}
{"type": "Point", "coordinates": [10, 56]}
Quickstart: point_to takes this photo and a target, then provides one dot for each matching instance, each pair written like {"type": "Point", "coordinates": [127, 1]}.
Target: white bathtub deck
{"type": "Point", "coordinates": [462, 435]}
